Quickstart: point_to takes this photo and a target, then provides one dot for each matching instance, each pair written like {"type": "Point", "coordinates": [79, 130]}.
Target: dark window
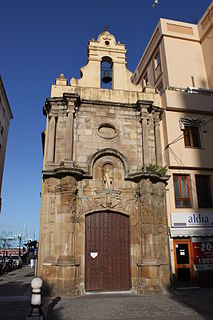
{"type": "Point", "coordinates": [145, 80]}
{"type": "Point", "coordinates": [204, 196]}
{"type": "Point", "coordinates": [160, 88]}
{"type": "Point", "coordinates": [192, 136]}
{"type": "Point", "coordinates": [182, 191]}
{"type": "Point", "coordinates": [157, 59]}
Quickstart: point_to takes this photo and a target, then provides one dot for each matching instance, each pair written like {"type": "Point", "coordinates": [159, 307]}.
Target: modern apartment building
{"type": "Point", "coordinates": [5, 117]}
{"type": "Point", "coordinates": [178, 63]}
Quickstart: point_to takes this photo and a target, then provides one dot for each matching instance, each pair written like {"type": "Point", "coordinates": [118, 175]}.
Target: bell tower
{"type": "Point", "coordinates": [105, 48]}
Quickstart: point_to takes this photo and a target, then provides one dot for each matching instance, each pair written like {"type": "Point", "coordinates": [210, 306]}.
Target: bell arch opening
{"type": "Point", "coordinates": [106, 73]}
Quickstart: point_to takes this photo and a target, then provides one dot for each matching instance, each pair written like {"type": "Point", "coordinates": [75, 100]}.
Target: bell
{"type": "Point", "coordinates": [106, 77]}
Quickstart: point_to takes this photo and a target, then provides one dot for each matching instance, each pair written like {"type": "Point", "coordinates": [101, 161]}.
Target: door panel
{"type": "Point", "coordinates": [107, 237]}
{"type": "Point", "coordinates": [183, 260]}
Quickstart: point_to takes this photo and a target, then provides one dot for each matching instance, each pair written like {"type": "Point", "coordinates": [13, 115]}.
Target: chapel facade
{"type": "Point", "coordinates": [103, 222]}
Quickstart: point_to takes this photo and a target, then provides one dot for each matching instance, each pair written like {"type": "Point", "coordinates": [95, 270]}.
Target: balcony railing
{"type": "Point", "coordinates": [193, 90]}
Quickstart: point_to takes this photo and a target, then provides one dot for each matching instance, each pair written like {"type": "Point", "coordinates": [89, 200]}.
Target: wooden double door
{"type": "Point", "coordinates": [107, 250]}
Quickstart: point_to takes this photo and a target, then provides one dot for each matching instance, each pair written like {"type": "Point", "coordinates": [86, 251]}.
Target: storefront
{"type": "Point", "coordinates": [192, 235]}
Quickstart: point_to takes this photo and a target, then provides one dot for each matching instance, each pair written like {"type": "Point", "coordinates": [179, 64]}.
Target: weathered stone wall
{"type": "Point", "coordinates": [106, 126]}
{"type": "Point", "coordinates": [105, 169]}
{"type": "Point", "coordinates": [57, 250]}
{"type": "Point", "coordinates": [99, 147]}
{"type": "Point", "coordinates": [153, 268]}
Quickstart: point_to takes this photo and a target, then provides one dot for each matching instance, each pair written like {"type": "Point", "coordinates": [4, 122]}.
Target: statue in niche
{"type": "Point", "coordinates": [108, 176]}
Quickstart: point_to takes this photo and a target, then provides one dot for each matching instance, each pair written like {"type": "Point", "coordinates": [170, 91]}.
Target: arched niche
{"type": "Point", "coordinates": [108, 152]}
{"type": "Point", "coordinates": [108, 173]}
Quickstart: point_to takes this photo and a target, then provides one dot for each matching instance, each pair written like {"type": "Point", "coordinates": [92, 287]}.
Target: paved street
{"type": "Point", "coordinates": [15, 294]}
{"type": "Point", "coordinates": [135, 307]}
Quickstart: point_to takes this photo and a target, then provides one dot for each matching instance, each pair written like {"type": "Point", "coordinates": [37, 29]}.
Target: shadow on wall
{"type": "Point", "coordinates": [201, 102]}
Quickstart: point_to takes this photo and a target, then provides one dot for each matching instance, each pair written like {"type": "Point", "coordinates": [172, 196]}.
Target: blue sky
{"type": "Point", "coordinates": [41, 39]}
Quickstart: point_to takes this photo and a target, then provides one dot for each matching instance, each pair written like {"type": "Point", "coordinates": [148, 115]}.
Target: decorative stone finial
{"type": "Point", "coordinates": [61, 80]}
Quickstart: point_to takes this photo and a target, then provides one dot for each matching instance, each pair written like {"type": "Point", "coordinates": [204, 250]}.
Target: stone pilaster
{"type": "Point", "coordinates": [73, 102]}
{"type": "Point", "coordinates": [158, 148]}
{"type": "Point", "coordinates": [153, 267]}
{"type": "Point", "coordinates": [145, 136]}
{"type": "Point", "coordinates": [58, 264]}
{"type": "Point", "coordinates": [69, 135]}
{"type": "Point", "coordinates": [151, 141]}
{"type": "Point", "coordinates": [50, 139]}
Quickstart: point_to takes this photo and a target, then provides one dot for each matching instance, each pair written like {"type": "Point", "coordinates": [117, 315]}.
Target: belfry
{"type": "Point", "coordinates": [103, 223]}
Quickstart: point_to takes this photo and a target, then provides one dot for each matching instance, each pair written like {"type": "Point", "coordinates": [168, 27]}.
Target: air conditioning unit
{"type": "Point", "coordinates": [192, 89]}
{"type": "Point", "coordinates": [208, 92]}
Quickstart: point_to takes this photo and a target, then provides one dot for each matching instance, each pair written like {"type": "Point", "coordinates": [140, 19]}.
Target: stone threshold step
{"type": "Point", "coordinates": [187, 288]}
{"type": "Point", "coordinates": [108, 292]}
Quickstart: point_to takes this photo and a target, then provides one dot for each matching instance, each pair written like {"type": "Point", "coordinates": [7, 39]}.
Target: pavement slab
{"type": "Point", "coordinates": [131, 307]}
{"type": "Point", "coordinates": [15, 295]}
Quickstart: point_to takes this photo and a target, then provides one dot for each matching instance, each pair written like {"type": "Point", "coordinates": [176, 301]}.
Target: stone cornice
{"type": "Point", "coordinates": [59, 171]}
{"type": "Point", "coordinates": [61, 101]}
{"type": "Point", "coordinates": [140, 175]}
{"type": "Point", "coordinates": [147, 106]}
{"type": "Point", "coordinates": [74, 97]}
{"type": "Point", "coordinates": [55, 171]}
{"type": "Point", "coordinates": [109, 103]}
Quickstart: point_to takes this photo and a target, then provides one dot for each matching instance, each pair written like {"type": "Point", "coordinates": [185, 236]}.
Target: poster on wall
{"type": "Point", "coordinates": [203, 253]}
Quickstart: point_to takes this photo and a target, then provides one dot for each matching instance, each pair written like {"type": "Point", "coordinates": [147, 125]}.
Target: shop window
{"type": "Point", "coordinates": [204, 195]}
{"type": "Point", "coordinates": [192, 137]}
{"type": "Point", "coordinates": [182, 191]}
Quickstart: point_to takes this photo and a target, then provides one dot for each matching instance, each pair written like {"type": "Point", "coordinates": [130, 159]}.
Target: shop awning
{"type": "Point", "coordinates": [191, 232]}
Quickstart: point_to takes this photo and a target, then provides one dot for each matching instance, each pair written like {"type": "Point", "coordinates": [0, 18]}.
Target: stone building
{"type": "Point", "coordinates": [178, 63]}
{"type": "Point", "coordinates": [5, 117]}
{"type": "Point", "coordinates": [103, 218]}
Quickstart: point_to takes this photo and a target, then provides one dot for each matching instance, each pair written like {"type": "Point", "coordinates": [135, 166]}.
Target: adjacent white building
{"type": "Point", "coordinates": [178, 63]}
